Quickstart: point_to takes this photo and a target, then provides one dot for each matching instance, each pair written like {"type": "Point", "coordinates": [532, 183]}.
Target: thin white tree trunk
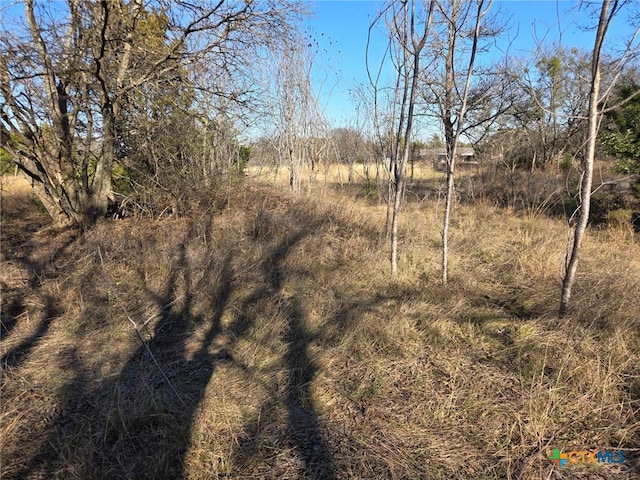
{"type": "Point", "coordinates": [452, 150]}
{"type": "Point", "coordinates": [412, 72]}
{"type": "Point", "coordinates": [446, 221]}
{"type": "Point", "coordinates": [587, 179]}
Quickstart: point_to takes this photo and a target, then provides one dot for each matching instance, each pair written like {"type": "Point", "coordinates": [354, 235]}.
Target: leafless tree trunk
{"type": "Point", "coordinates": [412, 45]}
{"type": "Point", "coordinates": [454, 120]}
{"type": "Point", "coordinates": [296, 121]}
{"type": "Point", "coordinates": [408, 24]}
{"type": "Point", "coordinates": [68, 76]}
{"type": "Point", "coordinates": [608, 10]}
{"type": "Point", "coordinates": [384, 120]}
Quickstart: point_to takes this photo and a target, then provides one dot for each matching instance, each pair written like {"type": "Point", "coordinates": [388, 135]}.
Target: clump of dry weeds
{"type": "Point", "coordinates": [266, 340]}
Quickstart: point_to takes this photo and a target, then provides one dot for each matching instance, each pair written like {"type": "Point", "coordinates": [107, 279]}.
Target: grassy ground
{"type": "Point", "coordinates": [265, 339]}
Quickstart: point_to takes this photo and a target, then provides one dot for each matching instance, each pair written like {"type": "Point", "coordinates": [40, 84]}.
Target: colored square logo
{"type": "Point", "coordinates": [558, 458]}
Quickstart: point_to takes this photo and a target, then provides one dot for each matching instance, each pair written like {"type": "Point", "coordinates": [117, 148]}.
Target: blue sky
{"type": "Point", "coordinates": [341, 29]}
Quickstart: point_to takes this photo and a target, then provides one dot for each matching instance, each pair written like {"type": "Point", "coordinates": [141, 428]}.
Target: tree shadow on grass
{"type": "Point", "coordinates": [138, 423]}
{"type": "Point", "coordinates": [161, 387]}
{"type": "Point", "coordinates": [18, 354]}
{"type": "Point", "coordinates": [12, 307]}
{"type": "Point", "coordinates": [24, 253]}
{"type": "Point", "coordinates": [139, 420]}
{"type": "Point", "coordinates": [302, 432]}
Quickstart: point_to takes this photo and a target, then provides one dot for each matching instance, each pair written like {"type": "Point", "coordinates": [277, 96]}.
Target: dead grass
{"type": "Point", "coordinates": [278, 347]}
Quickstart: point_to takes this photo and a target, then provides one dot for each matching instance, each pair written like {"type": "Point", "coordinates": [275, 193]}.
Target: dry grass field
{"type": "Point", "coordinates": [264, 339]}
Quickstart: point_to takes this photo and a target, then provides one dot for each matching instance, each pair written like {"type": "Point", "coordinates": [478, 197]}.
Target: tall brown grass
{"type": "Point", "coordinates": [275, 345]}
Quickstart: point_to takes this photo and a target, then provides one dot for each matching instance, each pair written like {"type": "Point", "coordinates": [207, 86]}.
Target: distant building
{"type": "Point", "coordinates": [465, 157]}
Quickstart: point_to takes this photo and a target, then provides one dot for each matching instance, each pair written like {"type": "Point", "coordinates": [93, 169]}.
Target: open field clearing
{"type": "Point", "coordinates": [265, 339]}
{"type": "Point", "coordinates": [363, 176]}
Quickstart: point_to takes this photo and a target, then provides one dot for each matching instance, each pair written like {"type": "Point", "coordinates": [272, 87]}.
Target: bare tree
{"type": "Point", "coordinates": [38, 118]}
{"type": "Point", "coordinates": [408, 25]}
{"type": "Point", "coordinates": [552, 103]}
{"type": "Point", "coordinates": [361, 135]}
{"type": "Point", "coordinates": [350, 148]}
{"type": "Point", "coordinates": [597, 97]}
{"type": "Point", "coordinates": [461, 21]}
{"type": "Point", "coordinates": [385, 110]}
{"type": "Point", "coordinates": [412, 42]}
{"type": "Point", "coordinates": [68, 77]}
{"type": "Point", "coordinates": [294, 116]}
